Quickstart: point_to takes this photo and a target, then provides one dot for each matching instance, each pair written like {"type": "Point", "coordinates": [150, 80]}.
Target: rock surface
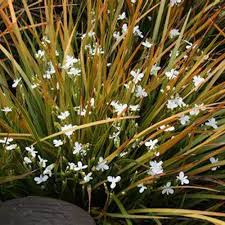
{"type": "Point", "coordinates": [42, 211]}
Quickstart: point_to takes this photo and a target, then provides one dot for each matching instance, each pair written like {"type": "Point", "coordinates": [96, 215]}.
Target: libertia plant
{"type": "Point", "coordinates": [116, 106]}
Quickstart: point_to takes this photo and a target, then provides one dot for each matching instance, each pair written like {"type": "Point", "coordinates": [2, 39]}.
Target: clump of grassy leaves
{"type": "Point", "coordinates": [107, 84]}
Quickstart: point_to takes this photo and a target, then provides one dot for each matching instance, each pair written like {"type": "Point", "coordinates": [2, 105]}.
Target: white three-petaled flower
{"type": "Point", "coordinates": [197, 80]}
{"type": "Point", "coordinates": [69, 61]}
{"type": "Point", "coordinates": [118, 107]}
{"type": "Point", "coordinates": [137, 76]}
{"type": "Point", "coordinates": [63, 115]}
{"type": "Point", "coordinates": [11, 147]}
{"type": "Point", "coordinates": [214, 160]}
{"type": "Point", "coordinates": [151, 144]}
{"type": "Point", "coordinates": [87, 178]}
{"type": "Point", "coordinates": [6, 110]}
{"type": "Point", "coordinates": [184, 119]}
{"type": "Point", "coordinates": [182, 178]}
{"type": "Point", "coordinates": [172, 74]}
{"type": "Point", "coordinates": [42, 162]}
{"type": "Point", "coordinates": [57, 142]}
{"type": "Point", "coordinates": [155, 168]}
{"type": "Point", "coordinates": [80, 166]}
{"type": "Point", "coordinates": [142, 188]}
{"type": "Point", "coordinates": [212, 123]}
{"type": "Point", "coordinates": [174, 33]}
{"type": "Point", "coordinates": [146, 44]}
{"type": "Point", "coordinates": [31, 150]}
{"type": "Point", "coordinates": [16, 82]}
{"type": "Point", "coordinates": [113, 181]}
{"type": "Point", "coordinates": [102, 164]}
{"type": "Point", "coordinates": [6, 140]}
{"type": "Point", "coordinates": [78, 147]}
{"type": "Point", "coordinates": [167, 189]}
{"type": "Point", "coordinates": [66, 127]}
{"type": "Point", "coordinates": [41, 179]}
{"type": "Point", "coordinates": [122, 16]}
{"type": "Point", "coordinates": [175, 2]}
{"type": "Point", "coordinates": [48, 170]}
{"type": "Point", "coordinates": [140, 92]}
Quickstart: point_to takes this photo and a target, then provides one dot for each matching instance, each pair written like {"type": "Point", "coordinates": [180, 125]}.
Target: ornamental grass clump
{"type": "Point", "coordinates": [116, 106]}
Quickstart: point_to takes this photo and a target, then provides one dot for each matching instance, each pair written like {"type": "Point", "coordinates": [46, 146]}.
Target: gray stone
{"type": "Point", "coordinates": [38, 211]}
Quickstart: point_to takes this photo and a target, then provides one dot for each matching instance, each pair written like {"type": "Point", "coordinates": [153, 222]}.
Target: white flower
{"type": "Point", "coordinates": [78, 147]}
{"type": "Point", "coordinates": [42, 162]}
{"type": "Point", "coordinates": [167, 189]}
{"type": "Point", "coordinates": [80, 111]}
{"type": "Point", "coordinates": [137, 32]}
{"type": "Point", "coordinates": [80, 166]}
{"type": "Point", "coordinates": [155, 168]}
{"type": "Point", "coordinates": [214, 160]}
{"type": "Point", "coordinates": [133, 1]}
{"type": "Point", "coordinates": [124, 28]}
{"type": "Point", "coordinates": [47, 75]}
{"type": "Point", "coordinates": [116, 35]}
{"type": "Point", "coordinates": [11, 147]}
{"type": "Point", "coordinates": [196, 109]}
{"type": "Point", "coordinates": [184, 119]}
{"type": "Point", "coordinates": [102, 164]}
{"type": "Point", "coordinates": [71, 166]}
{"type": "Point", "coordinates": [91, 34]}
{"type": "Point", "coordinates": [122, 154]}
{"type": "Point", "coordinates": [137, 76]}
{"type": "Point", "coordinates": [57, 143]}
{"type": "Point", "coordinates": [197, 80]}
{"type": "Point", "coordinates": [113, 181]}
{"type": "Point", "coordinates": [63, 115]}
{"type": "Point", "coordinates": [167, 128]}
{"type": "Point", "coordinates": [92, 102]}
{"type": "Point", "coordinates": [118, 107]}
{"type": "Point", "coordinates": [6, 110]}
{"type": "Point", "coordinates": [177, 53]}
{"type": "Point", "coordinates": [50, 70]}
{"type": "Point", "coordinates": [172, 74]}
{"type": "Point", "coordinates": [175, 2]}
{"type": "Point", "coordinates": [140, 92]}
{"type": "Point", "coordinates": [146, 44]}
{"type": "Point", "coordinates": [27, 160]}
{"type": "Point", "coordinates": [16, 82]}
{"type": "Point", "coordinates": [40, 54]}
{"type": "Point", "coordinates": [183, 179]}
{"type": "Point", "coordinates": [189, 44]}
{"type": "Point", "coordinates": [69, 61]}
{"type": "Point", "coordinates": [151, 144]}
{"type": "Point", "coordinates": [122, 16]}
{"type": "Point", "coordinates": [41, 179]}
{"type": "Point", "coordinates": [66, 127]}
{"type": "Point", "coordinates": [33, 86]}
{"type": "Point", "coordinates": [155, 69]}
{"type": "Point", "coordinates": [87, 178]}
{"type": "Point", "coordinates": [175, 102]}
{"type": "Point", "coordinates": [31, 151]}
{"type": "Point", "coordinates": [212, 123]}
{"type": "Point", "coordinates": [134, 108]}
{"type": "Point", "coordinates": [6, 140]}
{"type": "Point", "coordinates": [142, 188]}
{"type": "Point", "coordinates": [174, 33]}
{"type": "Point", "coordinates": [45, 40]}
{"type": "Point", "coordinates": [48, 170]}
{"type": "Point", "coordinates": [74, 71]}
